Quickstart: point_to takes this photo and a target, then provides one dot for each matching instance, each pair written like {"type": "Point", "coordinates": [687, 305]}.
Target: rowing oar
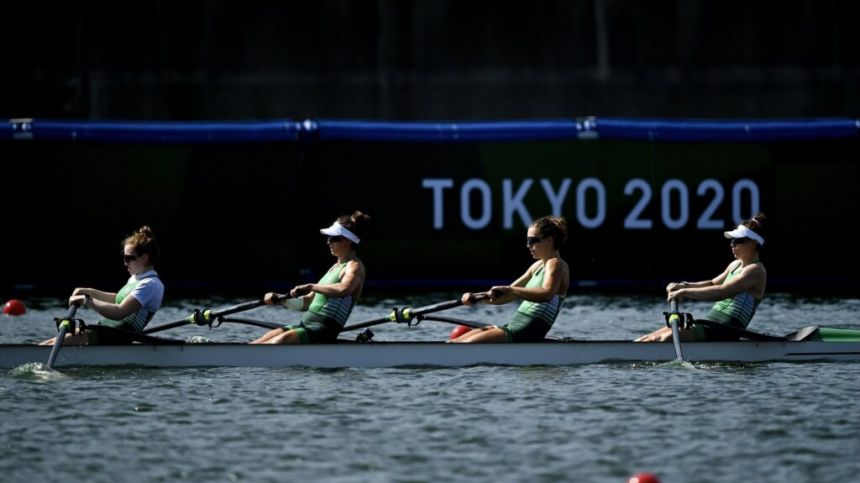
{"type": "Point", "coordinates": [256, 323]}
{"type": "Point", "coordinates": [451, 320]}
{"type": "Point", "coordinates": [405, 315]}
{"type": "Point", "coordinates": [63, 326]}
{"type": "Point", "coordinates": [207, 316]}
{"type": "Point", "coordinates": [674, 321]}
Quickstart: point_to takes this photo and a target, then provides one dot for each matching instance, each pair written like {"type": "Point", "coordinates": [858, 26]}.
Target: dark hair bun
{"type": "Point", "coordinates": [355, 222]}
{"type": "Point", "coordinates": [359, 218]}
{"type": "Point", "coordinates": [144, 243]}
{"type": "Point", "coordinates": [758, 221]}
{"type": "Point", "coordinates": [554, 226]}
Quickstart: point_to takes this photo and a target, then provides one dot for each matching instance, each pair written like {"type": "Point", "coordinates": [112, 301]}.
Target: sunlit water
{"type": "Point", "coordinates": [699, 423]}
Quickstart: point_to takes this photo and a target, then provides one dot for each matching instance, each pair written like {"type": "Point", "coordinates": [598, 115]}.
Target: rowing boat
{"type": "Point", "coordinates": [416, 354]}
{"type": "Point", "coordinates": [811, 343]}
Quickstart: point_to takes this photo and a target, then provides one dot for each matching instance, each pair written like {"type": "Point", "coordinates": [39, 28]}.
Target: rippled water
{"type": "Point", "coordinates": [711, 422]}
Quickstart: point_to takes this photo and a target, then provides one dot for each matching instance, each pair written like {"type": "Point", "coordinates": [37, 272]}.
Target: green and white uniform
{"type": "Point", "coordinates": [736, 311]}
{"type": "Point", "coordinates": [326, 316]}
{"type": "Point", "coordinates": [533, 320]}
{"type": "Point", "coordinates": [148, 290]}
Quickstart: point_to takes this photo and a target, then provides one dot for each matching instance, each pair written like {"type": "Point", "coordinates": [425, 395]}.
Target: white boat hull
{"type": "Point", "coordinates": [399, 354]}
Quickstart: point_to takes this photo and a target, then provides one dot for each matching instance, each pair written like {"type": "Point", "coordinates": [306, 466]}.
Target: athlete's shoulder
{"type": "Point", "coordinates": [556, 263]}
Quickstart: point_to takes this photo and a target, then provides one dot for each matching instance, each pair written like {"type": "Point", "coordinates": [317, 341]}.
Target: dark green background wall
{"type": "Point", "coordinates": [430, 59]}
{"type": "Point", "coordinates": [246, 216]}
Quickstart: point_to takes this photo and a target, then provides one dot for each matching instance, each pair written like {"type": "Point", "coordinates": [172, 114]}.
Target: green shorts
{"type": "Point", "coordinates": [714, 334]}
{"type": "Point", "coordinates": [316, 329]}
{"type": "Point", "coordinates": [524, 328]}
{"type": "Point", "coordinates": [109, 337]}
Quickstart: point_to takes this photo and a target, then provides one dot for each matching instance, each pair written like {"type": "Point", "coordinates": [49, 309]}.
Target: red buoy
{"type": "Point", "coordinates": [14, 307]}
{"type": "Point", "coordinates": [458, 331]}
{"type": "Point", "coordinates": [644, 478]}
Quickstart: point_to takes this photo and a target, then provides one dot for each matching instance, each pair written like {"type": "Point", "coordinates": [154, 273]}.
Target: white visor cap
{"type": "Point", "coordinates": [744, 232]}
{"type": "Point", "coordinates": [336, 229]}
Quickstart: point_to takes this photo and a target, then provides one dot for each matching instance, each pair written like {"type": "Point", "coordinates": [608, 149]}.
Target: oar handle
{"type": "Point", "coordinates": [63, 326]}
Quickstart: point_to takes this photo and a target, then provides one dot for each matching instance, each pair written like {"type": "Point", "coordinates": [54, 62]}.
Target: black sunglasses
{"type": "Point", "coordinates": [531, 240]}
{"type": "Point", "coordinates": [739, 241]}
{"type": "Point", "coordinates": [129, 258]}
{"type": "Point", "coordinates": [335, 239]}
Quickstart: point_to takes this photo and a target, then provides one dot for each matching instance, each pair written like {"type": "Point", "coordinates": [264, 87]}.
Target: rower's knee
{"type": "Point", "coordinates": [268, 336]}
{"type": "Point", "coordinates": [288, 337]}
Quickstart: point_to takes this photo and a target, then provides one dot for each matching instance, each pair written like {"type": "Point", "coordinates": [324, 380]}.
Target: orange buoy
{"type": "Point", "coordinates": [644, 478]}
{"type": "Point", "coordinates": [14, 307]}
{"type": "Point", "coordinates": [458, 331]}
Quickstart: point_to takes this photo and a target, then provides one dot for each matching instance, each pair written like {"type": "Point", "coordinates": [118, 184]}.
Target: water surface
{"type": "Point", "coordinates": [712, 422]}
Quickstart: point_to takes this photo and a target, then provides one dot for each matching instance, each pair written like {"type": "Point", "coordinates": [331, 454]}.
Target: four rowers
{"type": "Point", "coordinates": [327, 304]}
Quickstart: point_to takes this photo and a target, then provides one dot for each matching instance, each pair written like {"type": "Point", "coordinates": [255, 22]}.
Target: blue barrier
{"type": "Point", "coordinates": [286, 130]}
{"type": "Point", "coordinates": [153, 132]}
{"type": "Point", "coordinates": [499, 131]}
{"type": "Point", "coordinates": [725, 131]}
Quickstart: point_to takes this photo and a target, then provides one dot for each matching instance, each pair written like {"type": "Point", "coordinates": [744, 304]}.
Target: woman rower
{"type": "Point", "coordinates": [542, 289]}
{"type": "Point", "coordinates": [738, 290]}
{"type": "Point", "coordinates": [328, 302]}
{"type": "Point", "coordinates": [134, 305]}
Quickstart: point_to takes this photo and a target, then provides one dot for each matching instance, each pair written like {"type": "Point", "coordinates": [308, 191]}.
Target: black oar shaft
{"type": "Point", "coordinates": [451, 320]}
{"type": "Point", "coordinates": [201, 317]}
{"type": "Point", "coordinates": [253, 304]}
{"type": "Point", "coordinates": [170, 325]}
{"type": "Point", "coordinates": [369, 323]}
{"type": "Point", "coordinates": [409, 313]}
{"type": "Point", "coordinates": [406, 314]}
{"type": "Point", "coordinates": [433, 308]}
{"type": "Point", "coordinates": [256, 323]}
{"type": "Point", "coordinates": [64, 324]}
{"type": "Point", "coordinates": [674, 321]}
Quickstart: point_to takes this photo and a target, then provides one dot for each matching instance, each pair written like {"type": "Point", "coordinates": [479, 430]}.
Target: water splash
{"type": "Point", "coordinates": [679, 364]}
{"type": "Point", "coordinates": [37, 371]}
{"type": "Point", "coordinates": [198, 339]}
